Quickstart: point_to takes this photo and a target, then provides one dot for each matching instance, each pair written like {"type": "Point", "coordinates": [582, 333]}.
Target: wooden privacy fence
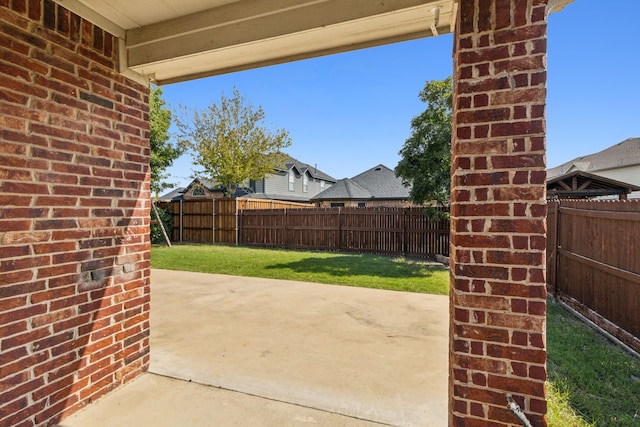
{"type": "Point", "coordinates": [593, 263]}
{"type": "Point", "coordinates": [215, 220]}
{"type": "Point", "coordinates": [384, 231]}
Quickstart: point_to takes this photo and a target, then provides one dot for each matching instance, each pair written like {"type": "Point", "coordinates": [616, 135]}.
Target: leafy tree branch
{"type": "Point", "coordinates": [229, 141]}
{"type": "Point", "coordinates": [426, 155]}
{"type": "Point", "coordinates": [163, 152]}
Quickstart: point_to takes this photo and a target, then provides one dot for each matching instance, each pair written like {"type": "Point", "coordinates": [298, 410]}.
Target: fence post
{"type": "Point", "coordinates": [339, 229]}
{"type": "Point", "coordinates": [180, 221]}
{"type": "Point", "coordinates": [556, 247]}
{"type": "Point", "coordinates": [405, 231]}
{"type": "Point", "coordinates": [239, 220]}
{"type": "Point", "coordinates": [236, 221]}
{"type": "Point", "coordinates": [284, 228]}
{"type": "Point", "coordinates": [174, 223]}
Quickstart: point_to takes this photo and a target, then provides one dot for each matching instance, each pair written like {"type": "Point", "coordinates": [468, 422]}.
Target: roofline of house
{"type": "Point", "coordinates": [614, 182]}
{"type": "Point", "coordinates": [359, 198]}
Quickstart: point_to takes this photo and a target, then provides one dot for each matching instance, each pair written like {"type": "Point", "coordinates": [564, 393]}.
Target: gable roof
{"type": "Point", "coordinates": [343, 189]}
{"type": "Point", "coordinates": [175, 194]}
{"type": "Point", "coordinates": [382, 182]}
{"type": "Point", "coordinates": [241, 191]}
{"type": "Point", "coordinates": [379, 182]}
{"type": "Point", "coordinates": [623, 154]}
{"type": "Point", "coordinates": [580, 184]}
{"type": "Point", "coordinates": [303, 168]}
{"type": "Point", "coordinates": [206, 183]}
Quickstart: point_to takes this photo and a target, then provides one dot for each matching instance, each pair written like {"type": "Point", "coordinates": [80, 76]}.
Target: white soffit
{"type": "Point", "coordinates": [272, 40]}
{"type": "Point", "coordinates": [170, 41]}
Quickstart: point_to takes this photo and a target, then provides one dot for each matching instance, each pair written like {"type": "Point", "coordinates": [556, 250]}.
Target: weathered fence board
{"type": "Point", "coordinates": [593, 262]}
{"type": "Point", "coordinates": [423, 232]}
{"type": "Point", "coordinates": [552, 246]}
{"type": "Point", "coordinates": [215, 220]}
{"type": "Point", "coordinates": [384, 231]}
{"type": "Point", "coordinates": [309, 229]}
{"type": "Point", "coordinates": [269, 223]}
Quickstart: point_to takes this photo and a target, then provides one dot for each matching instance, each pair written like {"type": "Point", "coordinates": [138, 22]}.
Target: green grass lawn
{"type": "Point", "coordinates": [367, 271]}
{"type": "Point", "coordinates": [588, 375]}
{"type": "Point", "coordinates": [591, 382]}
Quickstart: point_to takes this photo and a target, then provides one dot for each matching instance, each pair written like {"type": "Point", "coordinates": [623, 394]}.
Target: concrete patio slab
{"type": "Point", "coordinates": [156, 401]}
{"type": "Point", "coordinates": [363, 353]}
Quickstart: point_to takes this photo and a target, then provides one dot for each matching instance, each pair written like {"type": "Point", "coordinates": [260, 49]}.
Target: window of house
{"type": "Point", "coordinates": [337, 204]}
{"type": "Point", "coordinates": [362, 204]}
{"type": "Point", "coordinates": [197, 192]}
{"type": "Point", "coordinates": [305, 184]}
{"type": "Point", "coordinates": [321, 185]}
{"type": "Point", "coordinates": [292, 182]}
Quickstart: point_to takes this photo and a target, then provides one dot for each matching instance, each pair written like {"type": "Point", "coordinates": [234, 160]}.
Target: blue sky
{"type": "Point", "coordinates": [349, 112]}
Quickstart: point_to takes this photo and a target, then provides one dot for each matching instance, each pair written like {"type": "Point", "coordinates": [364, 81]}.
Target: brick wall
{"type": "Point", "coordinates": [498, 295]}
{"type": "Point", "coordinates": [74, 202]}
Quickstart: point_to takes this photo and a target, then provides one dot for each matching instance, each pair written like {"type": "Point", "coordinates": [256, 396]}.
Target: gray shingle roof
{"type": "Point", "coordinates": [284, 197]}
{"type": "Point", "coordinates": [304, 167]}
{"type": "Point", "coordinates": [625, 153]}
{"type": "Point", "coordinates": [382, 182]}
{"type": "Point", "coordinates": [175, 194]}
{"type": "Point", "coordinates": [379, 182]}
{"type": "Point", "coordinates": [343, 189]}
{"type": "Point", "coordinates": [210, 185]}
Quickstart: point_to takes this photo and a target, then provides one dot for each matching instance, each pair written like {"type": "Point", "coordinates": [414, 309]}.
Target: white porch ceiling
{"type": "Point", "coordinates": [169, 41]}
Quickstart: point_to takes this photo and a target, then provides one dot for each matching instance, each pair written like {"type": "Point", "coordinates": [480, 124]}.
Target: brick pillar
{"type": "Point", "coordinates": [74, 215]}
{"type": "Point", "coordinates": [498, 213]}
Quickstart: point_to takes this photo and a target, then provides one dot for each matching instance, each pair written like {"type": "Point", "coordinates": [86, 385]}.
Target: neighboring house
{"type": "Point", "coordinates": [175, 194]}
{"type": "Point", "coordinates": [620, 162]}
{"type": "Point", "coordinates": [295, 181]}
{"type": "Point", "coordinates": [196, 190]}
{"type": "Point", "coordinates": [378, 186]}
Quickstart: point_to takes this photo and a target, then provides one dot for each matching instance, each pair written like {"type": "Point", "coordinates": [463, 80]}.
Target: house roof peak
{"type": "Point", "coordinates": [378, 182]}
{"type": "Point", "coordinates": [623, 154]}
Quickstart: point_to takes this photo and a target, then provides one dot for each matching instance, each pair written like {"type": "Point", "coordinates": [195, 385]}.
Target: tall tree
{"type": "Point", "coordinates": [231, 143]}
{"type": "Point", "coordinates": [426, 155]}
{"type": "Point", "coordinates": [163, 152]}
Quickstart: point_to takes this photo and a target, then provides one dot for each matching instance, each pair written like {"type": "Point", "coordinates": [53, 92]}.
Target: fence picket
{"type": "Point", "coordinates": [593, 263]}
{"type": "Point", "coordinates": [384, 231]}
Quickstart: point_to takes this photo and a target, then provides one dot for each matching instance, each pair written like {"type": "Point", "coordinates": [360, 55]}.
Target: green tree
{"type": "Point", "coordinates": [166, 216]}
{"type": "Point", "coordinates": [229, 141]}
{"type": "Point", "coordinates": [163, 152]}
{"type": "Point", "coordinates": [426, 155]}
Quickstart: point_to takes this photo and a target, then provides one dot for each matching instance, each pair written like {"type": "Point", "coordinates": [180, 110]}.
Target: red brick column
{"type": "Point", "coordinates": [74, 215]}
{"type": "Point", "coordinates": [498, 213]}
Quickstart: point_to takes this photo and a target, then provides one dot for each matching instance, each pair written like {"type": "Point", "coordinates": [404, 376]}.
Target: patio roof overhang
{"type": "Point", "coordinates": [166, 42]}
